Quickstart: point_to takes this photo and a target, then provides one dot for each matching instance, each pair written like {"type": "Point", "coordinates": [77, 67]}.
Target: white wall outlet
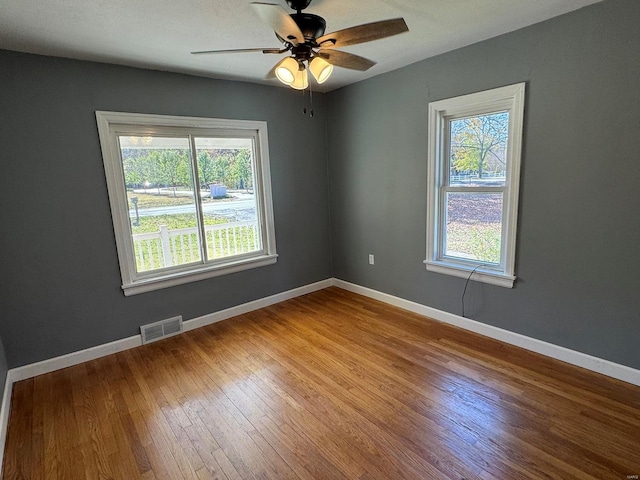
{"type": "Point", "coordinates": [371, 259]}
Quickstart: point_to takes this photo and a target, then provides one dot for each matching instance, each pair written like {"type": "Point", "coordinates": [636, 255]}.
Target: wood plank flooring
{"type": "Point", "coordinates": [331, 385]}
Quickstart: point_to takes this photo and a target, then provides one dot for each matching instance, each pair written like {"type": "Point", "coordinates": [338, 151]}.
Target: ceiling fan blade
{"type": "Point", "coordinates": [242, 50]}
{"type": "Point", "coordinates": [363, 33]}
{"type": "Point", "coordinates": [279, 20]}
{"type": "Point", "coordinates": [346, 60]}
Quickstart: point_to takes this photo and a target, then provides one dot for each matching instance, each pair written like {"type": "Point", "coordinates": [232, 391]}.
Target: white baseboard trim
{"type": "Point", "coordinates": [81, 356]}
{"type": "Point", "coordinates": [573, 357]}
{"type": "Point", "coordinates": [605, 367]}
{"type": "Point", "coordinates": [74, 358]}
{"type": "Point", "coordinates": [255, 305]}
{"type": "Point", "coordinates": [589, 362]}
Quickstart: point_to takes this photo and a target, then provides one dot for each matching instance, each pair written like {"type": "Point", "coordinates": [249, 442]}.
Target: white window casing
{"type": "Point", "coordinates": [111, 125]}
{"type": "Point", "coordinates": [504, 99]}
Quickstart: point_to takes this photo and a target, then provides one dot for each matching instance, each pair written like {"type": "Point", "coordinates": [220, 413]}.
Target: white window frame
{"type": "Point", "coordinates": [504, 99]}
{"type": "Point", "coordinates": [113, 124]}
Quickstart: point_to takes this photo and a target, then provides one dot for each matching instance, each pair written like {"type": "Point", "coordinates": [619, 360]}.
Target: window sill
{"type": "Point", "coordinates": [479, 275]}
{"type": "Point", "coordinates": [196, 274]}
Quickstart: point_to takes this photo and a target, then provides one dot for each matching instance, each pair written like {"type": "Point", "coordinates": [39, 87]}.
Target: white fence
{"type": "Point", "coordinates": [178, 247]}
{"type": "Point", "coordinates": [473, 177]}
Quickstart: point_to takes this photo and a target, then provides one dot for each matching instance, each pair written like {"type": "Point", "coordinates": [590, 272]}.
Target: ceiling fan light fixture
{"type": "Point", "coordinates": [303, 36]}
{"type": "Point", "coordinates": [320, 69]}
{"type": "Point", "coordinates": [302, 79]}
{"type": "Point", "coordinates": [287, 70]}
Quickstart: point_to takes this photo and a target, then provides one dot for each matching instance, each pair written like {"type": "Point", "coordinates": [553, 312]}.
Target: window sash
{"type": "Point", "coordinates": [193, 164]}
{"type": "Point", "coordinates": [441, 254]}
{"type": "Point", "coordinates": [447, 142]}
{"type": "Point", "coordinates": [173, 134]}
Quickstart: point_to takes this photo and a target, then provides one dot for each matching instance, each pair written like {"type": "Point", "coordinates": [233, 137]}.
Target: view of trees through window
{"type": "Point", "coordinates": [478, 147]}
{"type": "Point", "coordinates": [167, 209]}
{"type": "Point", "coordinates": [474, 198]}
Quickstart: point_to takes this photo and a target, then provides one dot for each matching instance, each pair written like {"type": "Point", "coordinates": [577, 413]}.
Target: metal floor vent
{"type": "Point", "coordinates": [162, 329]}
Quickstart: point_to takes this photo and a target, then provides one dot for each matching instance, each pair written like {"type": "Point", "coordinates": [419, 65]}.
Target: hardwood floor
{"type": "Point", "coordinates": [331, 385]}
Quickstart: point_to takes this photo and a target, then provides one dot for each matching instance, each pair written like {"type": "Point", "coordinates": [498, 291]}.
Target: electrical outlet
{"type": "Point", "coordinates": [371, 259]}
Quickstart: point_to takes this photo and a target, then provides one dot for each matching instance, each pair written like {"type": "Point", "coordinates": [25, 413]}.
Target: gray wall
{"type": "Point", "coordinates": [60, 283]}
{"type": "Point", "coordinates": [579, 231]}
{"type": "Point", "coordinates": [578, 257]}
{"type": "Point", "coordinates": [3, 368]}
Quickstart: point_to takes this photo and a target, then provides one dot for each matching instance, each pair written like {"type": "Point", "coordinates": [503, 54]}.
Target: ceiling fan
{"type": "Point", "coordinates": [302, 34]}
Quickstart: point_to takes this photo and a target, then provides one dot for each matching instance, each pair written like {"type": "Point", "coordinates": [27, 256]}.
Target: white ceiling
{"type": "Point", "coordinates": [159, 34]}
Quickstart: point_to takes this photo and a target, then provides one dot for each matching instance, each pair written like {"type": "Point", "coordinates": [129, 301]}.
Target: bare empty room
{"type": "Point", "coordinates": [320, 240]}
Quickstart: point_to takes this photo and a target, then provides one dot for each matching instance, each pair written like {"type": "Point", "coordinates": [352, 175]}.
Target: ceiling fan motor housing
{"type": "Point", "coordinates": [298, 4]}
{"type": "Point", "coordinates": [311, 26]}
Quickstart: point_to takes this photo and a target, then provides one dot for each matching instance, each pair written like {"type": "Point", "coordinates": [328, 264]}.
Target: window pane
{"type": "Point", "coordinates": [473, 226]}
{"type": "Point", "coordinates": [160, 194]}
{"type": "Point", "coordinates": [225, 171]}
{"type": "Point", "coordinates": [478, 150]}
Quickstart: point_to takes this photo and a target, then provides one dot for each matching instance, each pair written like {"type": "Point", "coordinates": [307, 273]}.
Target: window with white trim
{"type": "Point", "coordinates": [190, 197]}
{"type": "Point", "coordinates": [473, 182]}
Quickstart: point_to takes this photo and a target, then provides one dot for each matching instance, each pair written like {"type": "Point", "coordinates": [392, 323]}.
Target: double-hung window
{"type": "Point", "coordinates": [473, 180]}
{"type": "Point", "coordinates": [190, 197]}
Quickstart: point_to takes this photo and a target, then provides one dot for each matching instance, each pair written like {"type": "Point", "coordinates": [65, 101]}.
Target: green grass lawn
{"type": "Point", "coordinates": [480, 242]}
{"type": "Point", "coordinates": [148, 200]}
{"type": "Point", "coordinates": [165, 199]}
{"type": "Point", "coordinates": [174, 222]}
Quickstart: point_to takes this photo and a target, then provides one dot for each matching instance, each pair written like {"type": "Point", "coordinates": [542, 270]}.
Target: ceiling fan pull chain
{"type": "Point", "coordinates": [304, 102]}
